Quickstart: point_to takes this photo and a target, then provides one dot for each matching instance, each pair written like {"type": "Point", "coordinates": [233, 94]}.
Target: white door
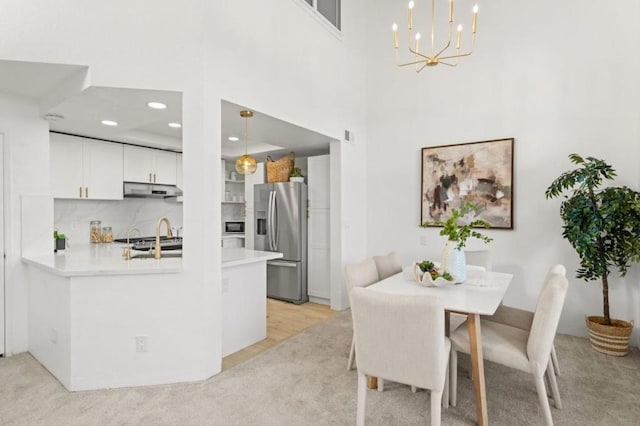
{"type": "Point", "coordinates": [1, 245]}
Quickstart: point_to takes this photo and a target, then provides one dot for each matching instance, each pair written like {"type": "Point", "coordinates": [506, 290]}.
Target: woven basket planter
{"type": "Point", "coordinates": [609, 339]}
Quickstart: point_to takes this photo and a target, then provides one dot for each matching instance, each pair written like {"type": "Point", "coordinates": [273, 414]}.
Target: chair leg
{"type": "Point", "coordinates": [554, 358]}
{"type": "Point", "coordinates": [352, 355]}
{"type": "Point", "coordinates": [445, 394]}
{"type": "Point", "coordinates": [544, 401]}
{"type": "Point", "coordinates": [436, 400]}
{"type": "Point", "coordinates": [362, 398]}
{"type": "Point", "coordinates": [453, 377]}
{"type": "Point", "coordinates": [380, 384]}
{"type": "Point", "coordinates": [553, 385]}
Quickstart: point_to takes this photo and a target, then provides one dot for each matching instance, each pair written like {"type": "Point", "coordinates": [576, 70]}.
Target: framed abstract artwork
{"type": "Point", "coordinates": [480, 173]}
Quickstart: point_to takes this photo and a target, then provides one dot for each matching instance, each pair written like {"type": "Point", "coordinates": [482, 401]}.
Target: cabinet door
{"type": "Point", "coordinates": [65, 166]}
{"type": "Point", "coordinates": [318, 180]}
{"type": "Point", "coordinates": [138, 164]}
{"type": "Point", "coordinates": [164, 170]}
{"type": "Point", "coordinates": [102, 166]}
{"type": "Point", "coordinates": [249, 228]}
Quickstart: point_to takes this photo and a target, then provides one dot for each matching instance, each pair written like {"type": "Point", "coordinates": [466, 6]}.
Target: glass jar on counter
{"type": "Point", "coordinates": [107, 234]}
{"type": "Point", "coordinates": [95, 231]}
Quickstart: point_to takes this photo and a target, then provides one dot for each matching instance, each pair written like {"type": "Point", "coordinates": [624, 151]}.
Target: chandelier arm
{"type": "Point", "coordinates": [457, 56]}
{"type": "Point", "coordinates": [418, 54]}
{"type": "Point", "coordinates": [448, 43]}
{"type": "Point", "coordinates": [447, 64]}
{"type": "Point", "coordinates": [412, 63]}
{"type": "Point", "coordinates": [421, 68]}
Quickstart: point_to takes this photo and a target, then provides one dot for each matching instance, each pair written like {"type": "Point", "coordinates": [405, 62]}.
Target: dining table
{"type": "Point", "coordinates": [480, 294]}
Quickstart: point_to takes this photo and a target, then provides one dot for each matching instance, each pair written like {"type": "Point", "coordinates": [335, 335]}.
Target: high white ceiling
{"type": "Point", "coordinates": [82, 111]}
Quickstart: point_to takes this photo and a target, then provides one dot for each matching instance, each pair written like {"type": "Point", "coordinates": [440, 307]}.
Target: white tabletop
{"type": "Point", "coordinates": [481, 293]}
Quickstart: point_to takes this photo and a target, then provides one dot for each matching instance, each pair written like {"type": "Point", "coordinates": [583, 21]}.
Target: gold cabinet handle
{"type": "Point", "coordinates": [150, 178]}
{"type": "Point", "coordinates": [154, 178]}
{"type": "Point", "coordinates": [86, 192]}
{"type": "Point", "coordinates": [80, 192]}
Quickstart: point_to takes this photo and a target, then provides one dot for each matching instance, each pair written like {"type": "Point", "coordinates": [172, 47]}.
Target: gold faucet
{"type": "Point", "coordinates": [127, 251]}
{"type": "Point", "coordinates": [157, 251]}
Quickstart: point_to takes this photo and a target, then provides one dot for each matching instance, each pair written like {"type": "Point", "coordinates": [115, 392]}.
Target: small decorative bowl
{"type": "Point", "coordinates": [426, 280]}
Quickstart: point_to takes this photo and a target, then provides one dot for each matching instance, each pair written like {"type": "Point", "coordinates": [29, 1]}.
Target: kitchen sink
{"type": "Point", "coordinates": [151, 255]}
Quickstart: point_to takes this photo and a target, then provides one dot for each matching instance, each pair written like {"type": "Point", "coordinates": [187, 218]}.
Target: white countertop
{"type": "Point", "coordinates": [101, 259]}
{"type": "Point", "coordinates": [235, 256]}
{"type": "Point", "coordinates": [106, 259]}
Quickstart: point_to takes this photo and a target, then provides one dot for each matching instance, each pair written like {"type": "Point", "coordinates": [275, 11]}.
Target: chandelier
{"type": "Point", "coordinates": [246, 164]}
{"type": "Point", "coordinates": [440, 54]}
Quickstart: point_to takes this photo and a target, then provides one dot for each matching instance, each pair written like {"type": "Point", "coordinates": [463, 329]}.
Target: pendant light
{"type": "Point", "coordinates": [246, 164]}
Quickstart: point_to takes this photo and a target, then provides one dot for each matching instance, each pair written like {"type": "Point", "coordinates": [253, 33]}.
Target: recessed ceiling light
{"type": "Point", "coordinates": [109, 123]}
{"type": "Point", "coordinates": [234, 138]}
{"type": "Point", "coordinates": [175, 125]}
{"type": "Point", "coordinates": [156, 105]}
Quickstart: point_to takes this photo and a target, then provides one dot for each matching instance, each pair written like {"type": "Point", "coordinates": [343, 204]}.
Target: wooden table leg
{"type": "Point", "coordinates": [373, 382]}
{"type": "Point", "coordinates": [477, 365]}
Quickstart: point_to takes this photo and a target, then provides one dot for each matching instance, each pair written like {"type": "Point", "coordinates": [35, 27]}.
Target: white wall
{"type": "Point", "coordinates": [26, 160]}
{"type": "Point", "coordinates": [273, 57]}
{"type": "Point", "coordinates": [559, 78]}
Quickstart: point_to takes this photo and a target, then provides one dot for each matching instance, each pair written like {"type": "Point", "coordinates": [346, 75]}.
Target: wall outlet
{"type": "Point", "coordinates": [74, 226]}
{"type": "Point", "coordinates": [141, 343]}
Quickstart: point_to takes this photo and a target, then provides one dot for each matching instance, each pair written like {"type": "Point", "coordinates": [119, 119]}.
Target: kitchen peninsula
{"type": "Point", "coordinates": [99, 321]}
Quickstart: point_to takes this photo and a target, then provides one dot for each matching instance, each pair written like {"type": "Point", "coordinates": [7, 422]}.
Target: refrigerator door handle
{"type": "Point", "coordinates": [270, 221]}
{"type": "Point", "coordinates": [275, 222]}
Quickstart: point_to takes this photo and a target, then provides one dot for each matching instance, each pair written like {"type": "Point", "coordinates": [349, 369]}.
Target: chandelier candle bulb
{"type": "Point", "coordinates": [418, 42]}
{"type": "Point", "coordinates": [475, 19]}
{"type": "Point", "coordinates": [411, 15]}
{"type": "Point", "coordinates": [394, 27]}
{"type": "Point", "coordinates": [459, 37]}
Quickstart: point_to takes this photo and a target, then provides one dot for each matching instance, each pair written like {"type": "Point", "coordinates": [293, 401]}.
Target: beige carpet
{"type": "Point", "coordinates": [304, 382]}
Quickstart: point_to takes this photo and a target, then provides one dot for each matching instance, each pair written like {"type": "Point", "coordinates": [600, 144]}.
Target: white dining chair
{"type": "Point", "coordinates": [522, 318]}
{"type": "Point", "coordinates": [480, 258]}
{"type": "Point", "coordinates": [360, 274]}
{"type": "Point", "coordinates": [528, 351]}
{"type": "Point", "coordinates": [400, 338]}
{"type": "Point", "coordinates": [388, 265]}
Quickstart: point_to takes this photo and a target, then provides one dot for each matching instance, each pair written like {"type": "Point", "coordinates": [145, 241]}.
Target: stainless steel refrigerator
{"type": "Point", "coordinates": [281, 225]}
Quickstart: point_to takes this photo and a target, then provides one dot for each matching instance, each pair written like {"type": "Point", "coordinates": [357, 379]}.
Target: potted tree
{"type": "Point", "coordinates": [457, 233]}
{"type": "Point", "coordinates": [603, 225]}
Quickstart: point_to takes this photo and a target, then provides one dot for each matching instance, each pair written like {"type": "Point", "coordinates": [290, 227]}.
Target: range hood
{"type": "Point", "coordinates": [150, 190]}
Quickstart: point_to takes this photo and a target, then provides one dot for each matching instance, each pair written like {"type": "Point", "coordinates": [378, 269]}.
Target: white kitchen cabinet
{"type": "Point", "coordinates": [85, 168]}
{"type": "Point", "coordinates": [232, 242]}
{"type": "Point", "coordinates": [148, 165]}
{"type": "Point", "coordinates": [319, 229]}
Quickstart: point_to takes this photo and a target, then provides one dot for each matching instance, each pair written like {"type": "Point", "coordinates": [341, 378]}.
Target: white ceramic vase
{"type": "Point", "coordinates": [453, 262]}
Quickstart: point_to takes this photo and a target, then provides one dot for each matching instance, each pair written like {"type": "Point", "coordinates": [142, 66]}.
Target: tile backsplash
{"type": "Point", "coordinates": [71, 217]}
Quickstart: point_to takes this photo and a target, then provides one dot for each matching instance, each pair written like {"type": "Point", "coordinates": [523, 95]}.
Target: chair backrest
{"type": "Point", "coordinates": [545, 319]}
{"type": "Point", "coordinates": [361, 274]}
{"type": "Point", "coordinates": [478, 258]}
{"type": "Point", "coordinates": [400, 337]}
{"type": "Point", "coordinates": [387, 265]}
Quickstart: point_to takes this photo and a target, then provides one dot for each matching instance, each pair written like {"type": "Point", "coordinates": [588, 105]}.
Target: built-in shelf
{"type": "Point", "coordinates": [233, 202]}
{"type": "Point", "coordinates": [234, 181]}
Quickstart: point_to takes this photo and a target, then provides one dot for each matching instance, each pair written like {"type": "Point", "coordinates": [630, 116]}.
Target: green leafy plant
{"type": "Point", "coordinates": [454, 231]}
{"type": "Point", "coordinates": [601, 224]}
{"type": "Point", "coordinates": [296, 172]}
